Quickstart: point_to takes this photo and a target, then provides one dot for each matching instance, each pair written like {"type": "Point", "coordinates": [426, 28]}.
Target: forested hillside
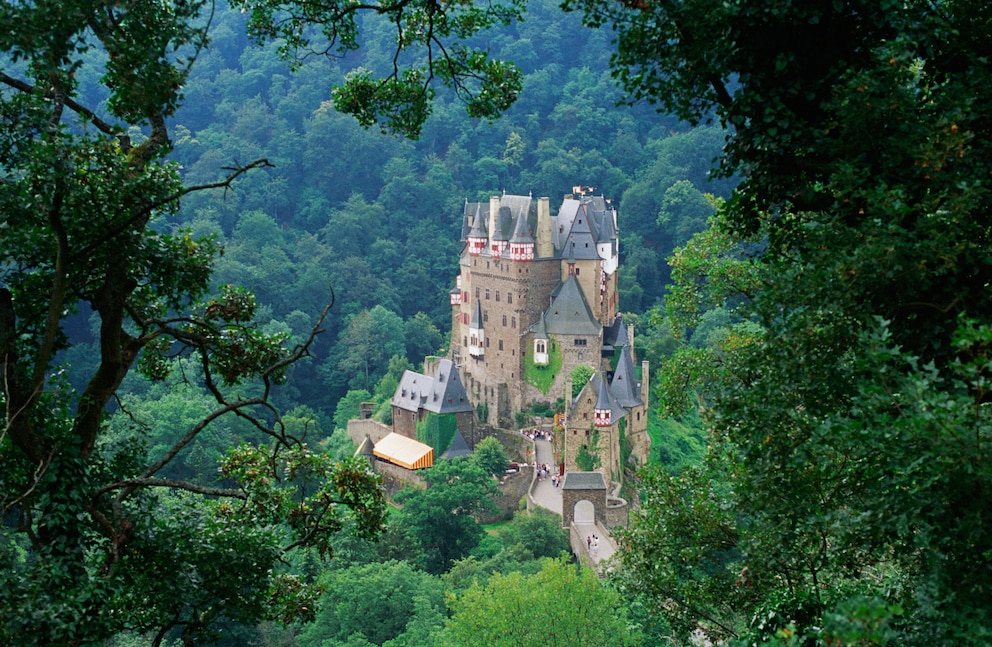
{"type": "Point", "coordinates": [179, 207]}
{"type": "Point", "coordinates": [377, 218]}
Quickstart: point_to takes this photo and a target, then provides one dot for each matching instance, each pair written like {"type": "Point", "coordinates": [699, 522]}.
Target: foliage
{"type": "Point", "coordinates": [587, 458]}
{"type": "Point", "coordinates": [580, 376]}
{"type": "Point", "coordinates": [437, 430]}
{"type": "Point", "coordinates": [542, 376]}
{"type": "Point", "coordinates": [399, 101]}
{"type": "Point", "coordinates": [491, 456]}
{"type": "Point", "coordinates": [378, 602]}
{"type": "Point", "coordinates": [535, 534]}
{"type": "Point", "coordinates": [562, 605]}
{"type": "Point", "coordinates": [844, 396]}
{"type": "Point", "coordinates": [442, 519]}
{"type": "Point", "coordinates": [86, 195]}
{"type": "Point", "coordinates": [675, 443]}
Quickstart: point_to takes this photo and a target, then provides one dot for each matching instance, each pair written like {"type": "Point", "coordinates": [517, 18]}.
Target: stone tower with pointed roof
{"type": "Point", "coordinates": [536, 296]}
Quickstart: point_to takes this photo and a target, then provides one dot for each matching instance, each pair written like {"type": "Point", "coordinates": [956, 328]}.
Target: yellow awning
{"type": "Point", "coordinates": [405, 452]}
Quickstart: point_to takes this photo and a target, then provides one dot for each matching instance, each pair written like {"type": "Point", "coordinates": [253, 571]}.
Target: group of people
{"type": "Point", "coordinates": [537, 434]}
{"type": "Point", "coordinates": [544, 470]}
{"type": "Point", "coordinates": [592, 543]}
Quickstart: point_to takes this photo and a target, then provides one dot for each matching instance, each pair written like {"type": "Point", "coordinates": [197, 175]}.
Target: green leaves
{"type": "Point", "coordinates": [430, 46]}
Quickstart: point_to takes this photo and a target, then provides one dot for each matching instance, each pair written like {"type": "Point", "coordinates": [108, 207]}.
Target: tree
{"type": "Point", "coordinates": [379, 602]}
{"type": "Point", "coordinates": [861, 135]}
{"type": "Point", "coordinates": [85, 202]}
{"type": "Point", "coordinates": [491, 456]}
{"type": "Point", "coordinates": [399, 99]}
{"type": "Point", "coordinates": [442, 518]}
{"type": "Point", "coordinates": [563, 605]}
{"type": "Point", "coordinates": [371, 338]}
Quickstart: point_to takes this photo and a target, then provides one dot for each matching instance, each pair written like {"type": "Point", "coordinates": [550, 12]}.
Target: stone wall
{"type": "Point", "coordinates": [513, 488]}
{"type": "Point", "coordinates": [375, 430]}
{"type": "Point", "coordinates": [395, 478]}
{"type": "Point", "coordinates": [616, 512]}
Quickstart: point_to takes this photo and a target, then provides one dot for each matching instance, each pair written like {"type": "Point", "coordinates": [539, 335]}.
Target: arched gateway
{"type": "Point", "coordinates": [583, 498]}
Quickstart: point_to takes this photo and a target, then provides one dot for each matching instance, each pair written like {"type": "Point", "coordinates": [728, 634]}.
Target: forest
{"type": "Point", "coordinates": [224, 226]}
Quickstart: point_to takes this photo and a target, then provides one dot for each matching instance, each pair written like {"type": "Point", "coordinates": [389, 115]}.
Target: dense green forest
{"type": "Point", "coordinates": [378, 218]}
{"type": "Point", "coordinates": [181, 201]}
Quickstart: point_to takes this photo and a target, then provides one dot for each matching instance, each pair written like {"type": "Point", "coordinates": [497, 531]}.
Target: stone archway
{"type": "Point", "coordinates": [583, 498]}
{"type": "Point", "coordinates": [584, 512]}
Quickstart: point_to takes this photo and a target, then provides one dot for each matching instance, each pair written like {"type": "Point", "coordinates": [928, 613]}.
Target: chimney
{"type": "Point", "coordinates": [545, 246]}
{"type": "Point", "coordinates": [493, 216]}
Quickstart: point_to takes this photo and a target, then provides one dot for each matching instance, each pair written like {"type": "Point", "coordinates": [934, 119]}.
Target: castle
{"type": "Point", "coordinates": [536, 297]}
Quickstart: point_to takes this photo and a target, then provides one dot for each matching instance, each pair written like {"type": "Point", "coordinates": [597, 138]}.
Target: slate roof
{"type": "Point", "coordinates": [625, 387]}
{"type": "Point", "coordinates": [478, 231]}
{"type": "Point", "coordinates": [569, 314]}
{"type": "Point", "coordinates": [605, 399]}
{"type": "Point", "coordinates": [539, 329]}
{"type": "Point", "coordinates": [615, 334]}
{"type": "Point", "coordinates": [581, 224]}
{"type": "Point", "coordinates": [583, 481]}
{"type": "Point", "coordinates": [476, 316]}
{"type": "Point", "coordinates": [447, 395]}
{"type": "Point", "coordinates": [458, 447]}
{"type": "Point", "coordinates": [504, 224]}
{"type": "Point", "coordinates": [440, 394]}
{"type": "Point", "coordinates": [521, 231]}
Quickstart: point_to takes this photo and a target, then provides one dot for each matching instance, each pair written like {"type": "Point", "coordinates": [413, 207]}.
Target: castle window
{"type": "Point", "coordinates": [497, 295]}
{"type": "Point", "coordinates": [509, 297]}
{"type": "Point", "coordinates": [464, 341]}
{"type": "Point", "coordinates": [577, 269]}
{"type": "Point", "coordinates": [476, 293]}
{"type": "Point", "coordinates": [541, 348]}
{"type": "Point", "coordinates": [581, 342]}
{"type": "Point", "coordinates": [513, 322]}
{"type": "Point", "coordinates": [501, 344]}
{"type": "Point", "coordinates": [487, 294]}
{"type": "Point", "coordinates": [487, 342]}
{"type": "Point", "coordinates": [504, 320]}
{"type": "Point", "coordinates": [485, 315]}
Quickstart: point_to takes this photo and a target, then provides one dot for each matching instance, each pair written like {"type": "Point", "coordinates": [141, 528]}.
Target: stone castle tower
{"type": "Point", "coordinates": [536, 296]}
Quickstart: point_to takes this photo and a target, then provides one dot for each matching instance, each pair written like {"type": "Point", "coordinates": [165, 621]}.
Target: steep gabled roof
{"type": "Point", "coordinates": [411, 391]}
{"type": "Point", "coordinates": [539, 329]}
{"type": "Point", "coordinates": [625, 387]}
{"type": "Point", "coordinates": [605, 398]}
{"type": "Point", "coordinates": [504, 224]}
{"type": "Point", "coordinates": [521, 231]}
{"type": "Point", "coordinates": [458, 447]}
{"type": "Point", "coordinates": [580, 240]}
{"type": "Point", "coordinates": [476, 321]}
{"type": "Point", "coordinates": [478, 229]}
{"type": "Point", "coordinates": [616, 334]}
{"type": "Point", "coordinates": [569, 314]}
{"type": "Point", "coordinates": [446, 393]}
{"type": "Point", "coordinates": [441, 394]}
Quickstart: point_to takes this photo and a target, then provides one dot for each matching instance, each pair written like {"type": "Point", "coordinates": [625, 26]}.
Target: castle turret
{"type": "Point", "coordinates": [500, 241]}
{"type": "Point", "coordinates": [521, 243]}
{"type": "Point", "coordinates": [478, 235]}
{"type": "Point", "coordinates": [603, 413]}
{"type": "Point", "coordinates": [541, 343]}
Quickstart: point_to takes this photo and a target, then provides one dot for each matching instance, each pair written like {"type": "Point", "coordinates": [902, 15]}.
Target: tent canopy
{"type": "Point", "coordinates": [405, 452]}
